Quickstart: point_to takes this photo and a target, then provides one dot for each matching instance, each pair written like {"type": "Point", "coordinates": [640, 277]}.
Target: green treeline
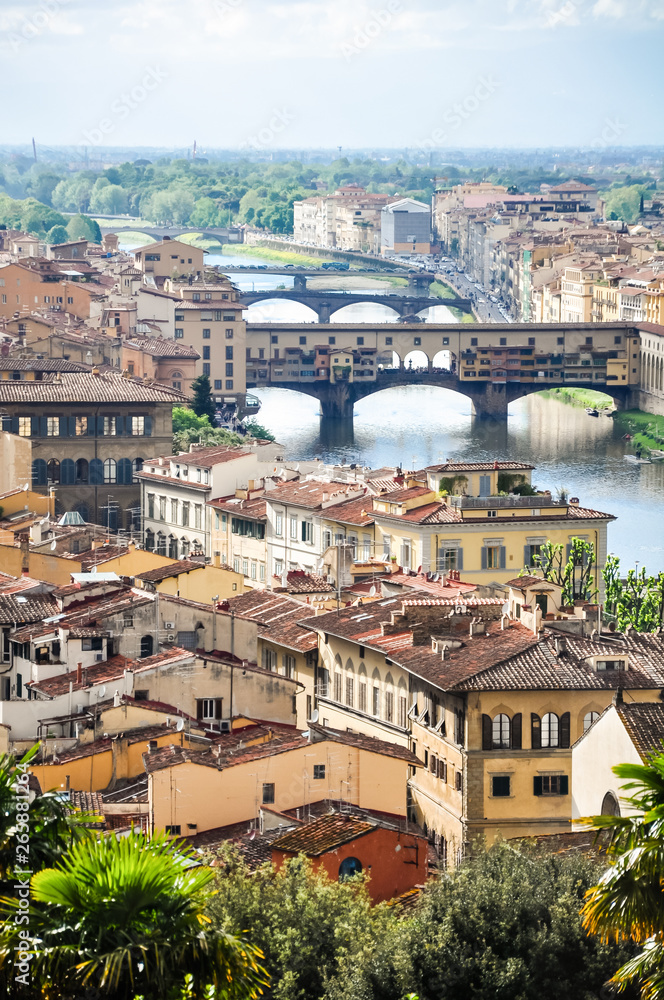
{"type": "Point", "coordinates": [192, 193]}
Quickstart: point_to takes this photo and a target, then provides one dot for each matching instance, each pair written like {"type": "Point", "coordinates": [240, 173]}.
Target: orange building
{"type": "Point", "coordinates": [342, 845]}
{"type": "Point", "coordinates": [25, 288]}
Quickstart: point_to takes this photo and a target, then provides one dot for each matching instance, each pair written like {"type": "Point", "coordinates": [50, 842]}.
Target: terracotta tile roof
{"type": "Point", "coordinates": [41, 365]}
{"type": "Point", "coordinates": [277, 615]}
{"type": "Point", "coordinates": [644, 721]}
{"type": "Point", "coordinates": [253, 508]}
{"type": "Point", "coordinates": [105, 744]}
{"type": "Point", "coordinates": [522, 582]}
{"type": "Point", "coordinates": [442, 513]}
{"type": "Point", "coordinates": [323, 835]}
{"type": "Point", "coordinates": [83, 387]}
{"type": "Point", "coordinates": [358, 511]}
{"type": "Point", "coordinates": [203, 457]}
{"type": "Point", "coordinates": [210, 304]}
{"type": "Point", "coordinates": [312, 493]}
{"type": "Point", "coordinates": [299, 582]}
{"type": "Point", "coordinates": [160, 347]}
{"type": "Point", "coordinates": [109, 670]}
{"type": "Point", "coordinates": [172, 569]}
{"type": "Point", "coordinates": [364, 742]}
{"type": "Point", "coordinates": [15, 610]}
{"type": "Point", "coordinates": [87, 802]}
{"type": "Point", "coordinates": [480, 467]}
{"type": "Point", "coordinates": [400, 495]}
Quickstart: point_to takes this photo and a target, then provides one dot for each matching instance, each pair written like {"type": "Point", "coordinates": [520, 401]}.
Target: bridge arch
{"type": "Point", "coordinates": [363, 306]}
{"type": "Point", "coordinates": [298, 312]}
{"type": "Point", "coordinates": [417, 358]}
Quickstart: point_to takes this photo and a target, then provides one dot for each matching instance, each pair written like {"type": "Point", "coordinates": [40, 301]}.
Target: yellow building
{"type": "Point", "coordinates": [480, 527]}
{"type": "Point", "coordinates": [190, 791]}
{"type": "Point", "coordinates": [492, 705]}
{"type": "Point", "coordinates": [170, 259]}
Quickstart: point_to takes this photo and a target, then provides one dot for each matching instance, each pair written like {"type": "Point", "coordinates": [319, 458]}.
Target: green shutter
{"type": "Point", "coordinates": [484, 557]}
{"type": "Point", "coordinates": [537, 785]}
{"type": "Point", "coordinates": [564, 784]}
{"type": "Point", "coordinates": [487, 740]}
{"type": "Point", "coordinates": [516, 732]}
{"type": "Point", "coordinates": [535, 732]}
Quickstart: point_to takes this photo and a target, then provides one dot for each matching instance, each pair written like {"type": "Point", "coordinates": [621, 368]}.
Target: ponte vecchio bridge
{"type": "Point", "coordinates": [492, 364]}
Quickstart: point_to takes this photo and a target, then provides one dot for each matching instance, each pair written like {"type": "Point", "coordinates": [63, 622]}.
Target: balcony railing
{"type": "Point", "coordinates": [513, 500]}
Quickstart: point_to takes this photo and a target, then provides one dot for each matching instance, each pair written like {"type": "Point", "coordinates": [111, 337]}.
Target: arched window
{"type": "Point", "coordinates": [149, 540]}
{"type": "Point", "coordinates": [83, 510]}
{"type": "Point", "coordinates": [53, 471]}
{"type": "Point", "coordinates": [348, 868]}
{"type": "Point", "coordinates": [67, 472]}
{"type": "Point", "coordinates": [110, 470]}
{"type": "Point", "coordinates": [125, 472]}
{"type": "Point", "coordinates": [501, 732]}
{"type": "Point", "coordinates": [137, 465]}
{"type": "Point", "coordinates": [550, 730]}
{"type": "Point", "coordinates": [172, 547]}
{"type": "Point", "coordinates": [147, 645]}
{"type": "Point", "coordinates": [389, 698]}
{"type": "Point", "coordinates": [349, 690]}
{"type": "Point", "coordinates": [39, 472]}
{"type": "Point", "coordinates": [610, 805]}
{"type": "Point", "coordinates": [185, 545]}
{"type": "Point", "coordinates": [588, 720]}
{"type": "Point", "coordinates": [96, 472]}
{"type": "Point", "coordinates": [82, 470]}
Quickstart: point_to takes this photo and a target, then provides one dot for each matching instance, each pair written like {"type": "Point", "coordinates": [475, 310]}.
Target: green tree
{"type": "Point", "coordinates": [80, 227]}
{"type": "Point", "coordinates": [109, 200]}
{"type": "Point", "coordinates": [127, 917]}
{"type": "Point", "coordinates": [575, 575]}
{"type": "Point", "coordinates": [637, 601]}
{"type": "Point", "coordinates": [57, 234]}
{"type": "Point", "coordinates": [257, 430]}
{"type": "Point", "coordinates": [626, 902]}
{"type": "Point", "coordinates": [202, 403]}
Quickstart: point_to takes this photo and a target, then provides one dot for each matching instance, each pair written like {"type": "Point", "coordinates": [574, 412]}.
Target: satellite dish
{"type": "Point", "coordinates": [180, 725]}
{"type": "Point", "coordinates": [314, 716]}
{"type": "Point", "coordinates": [102, 691]}
{"type": "Point", "coordinates": [252, 835]}
{"type": "Point", "coordinates": [53, 543]}
{"type": "Point", "coordinates": [372, 591]}
{"type": "Point", "coordinates": [397, 848]}
{"type": "Point", "coordinates": [26, 488]}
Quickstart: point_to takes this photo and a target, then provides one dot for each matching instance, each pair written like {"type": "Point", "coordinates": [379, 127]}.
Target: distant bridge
{"type": "Point", "coordinates": [222, 234]}
{"type": "Point", "coordinates": [326, 304]}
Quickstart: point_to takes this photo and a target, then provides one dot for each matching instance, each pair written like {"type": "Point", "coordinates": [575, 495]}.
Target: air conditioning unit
{"type": "Point", "coordinates": [169, 626]}
{"type": "Point", "coordinates": [170, 637]}
{"type": "Point", "coordinates": [225, 726]}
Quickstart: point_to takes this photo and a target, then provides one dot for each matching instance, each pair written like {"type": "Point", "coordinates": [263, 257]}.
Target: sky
{"type": "Point", "coordinates": [299, 74]}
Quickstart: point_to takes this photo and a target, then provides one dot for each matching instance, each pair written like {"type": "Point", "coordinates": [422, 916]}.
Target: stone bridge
{"type": "Point", "coordinates": [222, 234]}
{"type": "Point", "coordinates": [325, 304]}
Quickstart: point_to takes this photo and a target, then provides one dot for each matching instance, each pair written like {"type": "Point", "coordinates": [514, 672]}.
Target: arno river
{"type": "Point", "coordinates": [420, 425]}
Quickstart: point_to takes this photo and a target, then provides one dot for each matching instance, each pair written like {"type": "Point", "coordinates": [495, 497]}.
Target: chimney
{"type": "Point", "coordinates": [79, 673]}
{"type": "Point", "coordinates": [153, 746]}
{"type": "Point", "coordinates": [618, 697]}
{"type": "Point", "coordinates": [504, 622]}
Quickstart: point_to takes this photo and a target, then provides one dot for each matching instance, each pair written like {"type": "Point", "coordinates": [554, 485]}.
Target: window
{"type": "Point", "coordinates": [348, 868]}
{"type": "Point", "coordinates": [206, 368]}
{"type": "Point", "coordinates": [293, 527]}
{"type": "Point", "coordinates": [24, 426]}
{"type": "Point", "coordinates": [551, 784]}
{"type": "Point", "coordinates": [458, 781]}
{"type": "Point", "coordinates": [217, 383]}
{"type": "Point", "coordinates": [319, 772]}
{"type": "Point", "coordinates": [206, 333]}
{"type": "Point", "coordinates": [208, 708]}
{"type": "Point", "coordinates": [501, 732]}
{"type": "Point", "coordinates": [179, 333]}
{"type": "Point", "coordinates": [388, 341]}
{"type": "Point", "coordinates": [610, 665]}
{"type": "Point", "coordinates": [500, 786]}
{"type": "Point", "coordinates": [109, 426]}
{"type": "Point", "coordinates": [173, 831]}
{"type": "Point", "coordinates": [138, 426]}
{"type": "Point", "coordinates": [307, 532]}
{"type": "Point", "coordinates": [376, 701]}
{"type": "Point", "coordinates": [185, 514]}
{"type": "Point", "coordinates": [93, 642]}
{"type": "Point", "coordinates": [360, 341]}
{"type": "Point", "coordinates": [278, 524]}
{"type": "Point", "coordinates": [269, 659]}
{"type": "Point", "coordinates": [337, 686]}
{"type": "Point", "coordinates": [588, 720]}
{"type": "Point", "coordinates": [459, 727]}
{"type": "Point", "coordinates": [362, 688]}
{"type": "Point", "coordinates": [150, 504]}
{"type": "Point", "coordinates": [206, 352]}
{"type": "Point", "coordinates": [229, 335]}
{"type": "Point", "coordinates": [350, 693]}
{"type": "Point", "coordinates": [110, 471]}
{"type": "Point", "coordinates": [229, 352]}
{"type": "Point", "coordinates": [402, 712]}
{"type": "Point", "coordinates": [198, 515]}
{"type": "Point", "coordinates": [53, 426]}
{"type": "Point", "coordinates": [389, 706]}
{"type": "Point", "coordinates": [303, 341]}
{"type": "Point", "coordinates": [229, 383]}
{"type": "Point", "coordinates": [550, 730]}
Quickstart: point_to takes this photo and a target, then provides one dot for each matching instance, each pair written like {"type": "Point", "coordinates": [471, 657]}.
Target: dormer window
{"type": "Point", "coordinates": [610, 665]}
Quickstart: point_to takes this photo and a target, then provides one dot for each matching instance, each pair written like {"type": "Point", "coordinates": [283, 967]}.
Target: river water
{"type": "Point", "coordinates": [421, 425]}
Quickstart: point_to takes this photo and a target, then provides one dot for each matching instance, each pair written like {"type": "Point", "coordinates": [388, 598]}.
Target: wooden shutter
{"type": "Point", "coordinates": [34, 426]}
{"type": "Point", "coordinates": [503, 557]}
{"type": "Point", "coordinates": [564, 731]}
{"type": "Point", "coordinates": [516, 732]}
{"type": "Point", "coordinates": [92, 426]}
{"type": "Point", "coordinates": [526, 555]}
{"type": "Point", "coordinates": [217, 708]}
{"type": "Point", "coordinates": [433, 764]}
{"type": "Point", "coordinates": [537, 785]}
{"type": "Point", "coordinates": [564, 784]}
{"type": "Point", "coordinates": [459, 559]}
{"type": "Point", "coordinates": [487, 737]}
{"type": "Point", "coordinates": [535, 734]}
{"type": "Point", "coordinates": [199, 708]}
{"type": "Point", "coordinates": [43, 426]}
{"type": "Point", "coordinates": [484, 557]}
{"type": "Point", "coordinates": [147, 426]}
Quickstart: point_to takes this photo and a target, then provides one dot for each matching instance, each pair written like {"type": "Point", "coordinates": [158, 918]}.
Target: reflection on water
{"type": "Point", "coordinates": [422, 425]}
